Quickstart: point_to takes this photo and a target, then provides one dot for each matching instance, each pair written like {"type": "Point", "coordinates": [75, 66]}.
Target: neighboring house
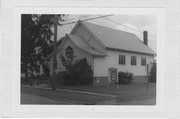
{"type": "Point", "coordinates": [103, 48]}
{"type": "Point", "coordinates": [29, 74]}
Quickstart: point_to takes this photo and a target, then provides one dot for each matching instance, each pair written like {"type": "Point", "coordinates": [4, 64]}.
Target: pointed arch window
{"type": "Point", "coordinates": [69, 52]}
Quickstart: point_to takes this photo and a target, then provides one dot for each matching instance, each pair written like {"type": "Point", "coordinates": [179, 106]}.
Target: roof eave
{"type": "Point", "coordinates": [144, 53]}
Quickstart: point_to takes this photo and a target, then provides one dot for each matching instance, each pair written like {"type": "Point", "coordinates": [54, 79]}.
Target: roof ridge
{"type": "Point", "coordinates": [109, 27]}
{"type": "Point", "coordinates": [117, 30]}
{"type": "Point", "coordinates": [107, 35]}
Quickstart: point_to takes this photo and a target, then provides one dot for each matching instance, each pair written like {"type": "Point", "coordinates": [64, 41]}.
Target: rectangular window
{"type": "Point", "coordinates": [143, 61]}
{"type": "Point", "coordinates": [122, 59]}
{"type": "Point", "coordinates": [133, 60]}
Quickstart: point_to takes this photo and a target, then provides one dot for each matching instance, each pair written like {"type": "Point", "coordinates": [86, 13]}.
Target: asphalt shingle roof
{"type": "Point", "coordinates": [117, 39]}
{"type": "Point", "coordinates": [82, 44]}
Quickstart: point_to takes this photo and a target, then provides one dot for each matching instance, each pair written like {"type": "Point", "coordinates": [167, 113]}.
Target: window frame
{"type": "Point", "coordinates": [133, 60]}
{"type": "Point", "coordinates": [143, 61]}
{"type": "Point", "coordinates": [122, 60]}
{"type": "Point", "coordinates": [69, 52]}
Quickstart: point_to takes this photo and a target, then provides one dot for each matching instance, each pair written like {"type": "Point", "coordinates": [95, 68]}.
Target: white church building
{"type": "Point", "coordinates": [103, 48]}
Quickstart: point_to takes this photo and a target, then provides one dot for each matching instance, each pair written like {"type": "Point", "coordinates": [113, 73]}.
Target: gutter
{"type": "Point", "coordinates": [117, 49]}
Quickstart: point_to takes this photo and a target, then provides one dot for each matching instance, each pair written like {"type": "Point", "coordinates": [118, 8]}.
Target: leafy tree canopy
{"type": "Point", "coordinates": [36, 39]}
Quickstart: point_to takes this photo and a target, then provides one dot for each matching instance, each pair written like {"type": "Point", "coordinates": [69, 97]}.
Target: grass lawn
{"type": "Point", "coordinates": [137, 89]}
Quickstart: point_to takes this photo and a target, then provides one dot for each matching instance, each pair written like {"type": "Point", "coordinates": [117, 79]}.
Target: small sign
{"type": "Point", "coordinates": [114, 76]}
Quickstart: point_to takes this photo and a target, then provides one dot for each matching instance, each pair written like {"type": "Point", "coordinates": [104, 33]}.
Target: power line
{"type": "Point", "coordinates": [69, 20]}
{"type": "Point", "coordinates": [97, 17]}
{"type": "Point", "coordinates": [121, 24]}
{"type": "Point", "coordinates": [127, 26]}
{"type": "Point", "coordinates": [70, 26]}
{"type": "Point", "coordinates": [84, 20]}
{"type": "Point", "coordinates": [104, 17]}
{"type": "Point", "coordinates": [76, 18]}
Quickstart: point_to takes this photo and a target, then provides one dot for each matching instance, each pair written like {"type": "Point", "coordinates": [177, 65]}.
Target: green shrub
{"type": "Point", "coordinates": [77, 72]}
{"type": "Point", "coordinates": [152, 77]}
{"type": "Point", "coordinates": [125, 77]}
{"type": "Point", "coordinates": [83, 72]}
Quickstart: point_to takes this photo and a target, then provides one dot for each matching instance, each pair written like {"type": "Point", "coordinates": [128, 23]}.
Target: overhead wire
{"type": "Point", "coordinates": [84, 20]}
{"type": "Point", "coordinates": [104, 17]}
{"type": "Point", "coordinates": [128, 27]}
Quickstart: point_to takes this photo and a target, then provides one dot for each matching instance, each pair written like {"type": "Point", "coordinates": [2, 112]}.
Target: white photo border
{"type": "Point", "coordinates": [62, 110]}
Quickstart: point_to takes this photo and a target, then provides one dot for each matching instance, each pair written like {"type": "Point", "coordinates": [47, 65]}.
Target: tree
{"type": "Point", "coordinates": [152, 77]}
{"type": "Point", "coordinates": [36, 40]}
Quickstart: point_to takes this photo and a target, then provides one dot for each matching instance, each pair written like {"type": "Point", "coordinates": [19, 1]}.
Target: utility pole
{"type": "Point", "coordinates": [147, 86]}
{"type": "Point", "coordinates": [54, 53]}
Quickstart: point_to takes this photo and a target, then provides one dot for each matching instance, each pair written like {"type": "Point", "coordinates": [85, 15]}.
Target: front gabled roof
{"type": "Point", "coordinates": [83, 45]}
{"type": "Point", "coordinates": [116, 39]}
{"type": "Point", "coordinates": [79, 42]}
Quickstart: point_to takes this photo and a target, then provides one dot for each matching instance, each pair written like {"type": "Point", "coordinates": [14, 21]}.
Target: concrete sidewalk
{"type": "Point", "coordinates": [69, 90]}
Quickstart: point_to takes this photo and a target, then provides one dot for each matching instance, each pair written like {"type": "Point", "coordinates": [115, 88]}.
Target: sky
{"type": "Point", "coordinates": [131, 23]}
